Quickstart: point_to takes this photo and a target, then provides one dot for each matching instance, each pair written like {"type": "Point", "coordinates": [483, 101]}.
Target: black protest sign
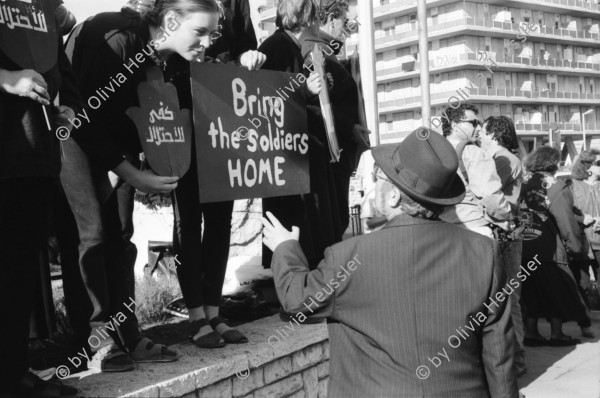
{"type": "Point", "coordinates": [251, 136]}
{"type": "Point", "coordinates": [28, 34]}
{"type": "Point", "coordinates": [165, 131]}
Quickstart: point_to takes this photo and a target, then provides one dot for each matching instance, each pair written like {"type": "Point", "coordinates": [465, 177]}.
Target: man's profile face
{"type": "Point", "coordinates": [486, 140]}
{"type": "Point", "coordinates": [468, 127]}
{"type": "Point", "coordinates": [382, 187]}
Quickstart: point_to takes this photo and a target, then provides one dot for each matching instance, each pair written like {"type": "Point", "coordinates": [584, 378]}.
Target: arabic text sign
{"type": "Point", "coordinates": [165, 131]}
{"type": "Point", "coordinates": [28, 34]}
{"type": "Point", "coordinates": [251, 142]}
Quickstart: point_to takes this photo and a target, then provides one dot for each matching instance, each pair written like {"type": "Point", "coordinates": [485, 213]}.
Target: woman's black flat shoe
{"type": "Point", "coordinates": [231, 336]}
{"type": "Point", "coordinates": [535, 342]}
{"type": "Point", "coordinates": [31, 386]}
{"type": "Point", "coordinates": [566, 342]}
{"type": "Point", "coordinates": [209, 340]}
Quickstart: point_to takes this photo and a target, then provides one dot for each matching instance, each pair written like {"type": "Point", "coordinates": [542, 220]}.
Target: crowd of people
{"type": "Point", "coordinates": [447, 211]}
{"type": "Point", "coordinates": [92, 176]}
{"type": "Point", "coordinates": [463, 217]}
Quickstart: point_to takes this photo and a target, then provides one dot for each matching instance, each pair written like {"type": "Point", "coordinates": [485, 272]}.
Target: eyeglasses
{"type": "Point", "coordinates": [596, 163]}
{"type": "Point", "coordinates": [474, 122]}
{"type": "Point", "coordinates": [375, 176]}
{"type": "Point", "coordinates": [216, 34]}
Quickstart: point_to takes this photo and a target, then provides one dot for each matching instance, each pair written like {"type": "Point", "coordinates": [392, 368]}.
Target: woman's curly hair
{"type": "Point", "coordinates": [503, 131]}
{"type": "Point", "coordinates": [544, 158]}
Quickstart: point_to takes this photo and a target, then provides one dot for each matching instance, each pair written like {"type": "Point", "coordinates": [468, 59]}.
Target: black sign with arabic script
{"type": "Point", "coordinates": [165, 131]}
{"type": "Point", "coordinates": [28, 34]}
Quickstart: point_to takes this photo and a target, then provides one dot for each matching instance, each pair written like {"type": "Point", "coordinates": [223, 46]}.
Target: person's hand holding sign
{"type": "Point", "coordinates": [274, 233]}
{"type": "Point", "coordinates": [252, 59]}
{"type": "Point", "coordinates": [62, 116]}
{"type": "Point", "coordinates": [360, 135]}
{"type": "Point", "coordinates": [25, 83]}
{"type": "Point", "coordinates": [314, 83]}
{"type": "Point", "coordinates": [146, 181]}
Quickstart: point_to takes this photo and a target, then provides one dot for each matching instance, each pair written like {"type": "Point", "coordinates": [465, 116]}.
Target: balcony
{"type": "Point", "coordinates": [523, 130]}
{"type": "Point", "coordinates": [493, 95]}
{"type": "Point", "coordinates": [268, 10]}
{"type": "Point", "coordinates": [535, 94]}
{"type": "Point", "coordinates": [529, 128]}
{"type": "Point", "coordinates": [410, 6]}
{"type": "Point", "coordinates": [455, 60]}
{"type": "Point", "coordinates": [504, 29]}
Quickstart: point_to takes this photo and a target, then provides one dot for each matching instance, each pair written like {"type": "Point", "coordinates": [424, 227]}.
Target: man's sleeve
{"type": "Point", "coordinates": [95, 67]}
{"type": "Point", "coordinates": [485, 183]}
{"type": "Point", "coordinates": [69, 92]}
{"type": "Point", "coordinates": [568, 226]}
{"type": "Point", "coordinates": [298, 288]}
{"type": "Point", "coordinates": [498, 339]}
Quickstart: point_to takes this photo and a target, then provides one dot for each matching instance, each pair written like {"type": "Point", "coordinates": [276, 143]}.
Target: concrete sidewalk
{"type": "Point", "coordinates": [564, 372]}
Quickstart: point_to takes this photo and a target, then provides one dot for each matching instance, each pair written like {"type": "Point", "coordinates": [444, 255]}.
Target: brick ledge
{"type": "Point", "coordinates": [198, 368]}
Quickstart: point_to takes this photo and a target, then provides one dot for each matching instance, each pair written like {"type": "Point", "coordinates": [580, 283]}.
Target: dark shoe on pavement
{"type": "Point", "coordinates": [149, 352]}
{"type": "Point", "coordinates": [111, 358]}
{"type": "Point", "coordinates": [566, 341]}
{"type": "Point", "coordinates": [31, 386]}
{"type": "Point", "coordinates": [587, 333]}
{"type": "Point", "coordinates": [535, 342]}
{"type": "Point", "coordinates": [209, 340]}
{"type": "Point", "coordinates": [230, 336]}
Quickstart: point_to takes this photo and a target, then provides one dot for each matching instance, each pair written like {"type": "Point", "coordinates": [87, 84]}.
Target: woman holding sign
{"type": "Point", "coordinates": [322, 215]}
{"type": "Point", "coordinates": [112, 53]}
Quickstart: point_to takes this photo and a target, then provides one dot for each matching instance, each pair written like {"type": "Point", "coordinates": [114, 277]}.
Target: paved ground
{"type": "Point", "coordinates": [564, 372]}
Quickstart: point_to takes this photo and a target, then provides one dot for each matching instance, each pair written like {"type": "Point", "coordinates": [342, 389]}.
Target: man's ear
{"type": "Point", "coordinates": [394, 197]}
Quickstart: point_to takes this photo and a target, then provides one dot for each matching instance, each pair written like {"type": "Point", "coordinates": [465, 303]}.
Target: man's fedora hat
{"type": "Point", "coordinates": [423, 166]}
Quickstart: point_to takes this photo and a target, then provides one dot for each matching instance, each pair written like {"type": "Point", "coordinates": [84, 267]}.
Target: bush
{"type": "Point", "coordinates": [151, 297]}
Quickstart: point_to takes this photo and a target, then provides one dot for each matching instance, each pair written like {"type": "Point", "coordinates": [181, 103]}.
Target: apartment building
{"type": "Point", "coordinates": [537, 61]}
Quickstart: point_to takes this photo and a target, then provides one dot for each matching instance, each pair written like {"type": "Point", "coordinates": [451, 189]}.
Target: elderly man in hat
{"type": "Point", "coordinates": [412, 308]}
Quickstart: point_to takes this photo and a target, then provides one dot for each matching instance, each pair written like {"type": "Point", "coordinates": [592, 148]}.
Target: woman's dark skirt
{"type": "Point", "coordinates": [551, 292]}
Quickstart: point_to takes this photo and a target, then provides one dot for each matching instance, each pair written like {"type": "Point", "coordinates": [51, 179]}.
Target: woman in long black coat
{"type": "Point", "coordinates": [551, 237]}
{"type": "Point", "coordinates": [322, 215]}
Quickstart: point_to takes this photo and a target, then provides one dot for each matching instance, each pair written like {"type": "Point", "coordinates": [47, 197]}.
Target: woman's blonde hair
{"type": "Point", "coordinates": [294, 15]}
{"type": "Point", "coordinates": [154, 11]}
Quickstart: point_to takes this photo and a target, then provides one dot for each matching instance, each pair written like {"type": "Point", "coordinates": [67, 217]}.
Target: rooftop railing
{"type": "Point", "coordinates": [584, 5]}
